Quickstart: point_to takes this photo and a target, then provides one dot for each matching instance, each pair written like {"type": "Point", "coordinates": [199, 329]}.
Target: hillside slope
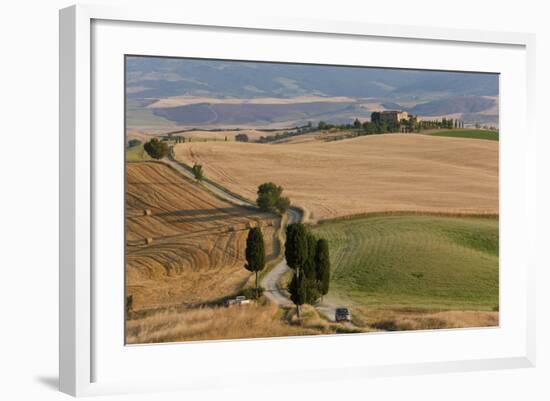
{"type": "Point", "coordinates": [376, 173]}
{"type": "Point", "coordinates": [431, 262]}
{"type": "Point", "coordinates": [196, 241]}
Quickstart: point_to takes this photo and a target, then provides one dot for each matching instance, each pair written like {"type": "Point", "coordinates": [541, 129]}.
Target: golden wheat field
{"type": "Point", "coordinates": [184, 246]}
{"type": "Point", "coordinates": [377, 173]}
{"type": "Point", "coordinates": [201, 135]}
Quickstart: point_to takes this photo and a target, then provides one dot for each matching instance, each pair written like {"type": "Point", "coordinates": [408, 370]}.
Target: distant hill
{"type": "Point", "coordinates": [244, 114]}
{"type": "Point", "coordinates": [161, 77]}
{"type": "Point", "coordinates": [453, 105]}
{"type": "Point", "coordinates": [425, 93]}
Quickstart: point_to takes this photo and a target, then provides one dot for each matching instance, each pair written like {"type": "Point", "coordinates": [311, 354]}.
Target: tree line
{"type": "Point", "coordinates": [307, 255]}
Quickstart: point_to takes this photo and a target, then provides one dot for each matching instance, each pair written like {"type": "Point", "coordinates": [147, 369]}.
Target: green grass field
{"type": "Point", "coordinates": [467, 133]}
{"type": "Point", "coordinates": [417, 261]}
{"type": "Point", "coordinates": [136, 154]}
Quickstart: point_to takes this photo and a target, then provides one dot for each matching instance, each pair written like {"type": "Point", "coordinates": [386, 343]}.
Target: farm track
{"type": "Point", "coordinates": [270, 280]}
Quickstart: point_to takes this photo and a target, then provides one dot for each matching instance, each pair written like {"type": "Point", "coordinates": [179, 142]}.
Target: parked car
{"type": "Point", "coordinates": [240, 300]}
{"type": "Point", "coordinates": [228, 302]}
{"type": "Point", "coordinates": [342, 315]}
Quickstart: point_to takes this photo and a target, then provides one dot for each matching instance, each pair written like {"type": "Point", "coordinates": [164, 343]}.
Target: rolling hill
{"type": "Point", "coordinates": [184, 246]}
{"type": "Point", "coordinates": [231, 94]}
{"type": "Point", "coordinates": [425, 262]}
{"type": "Point", "coordinates": [377, 173]}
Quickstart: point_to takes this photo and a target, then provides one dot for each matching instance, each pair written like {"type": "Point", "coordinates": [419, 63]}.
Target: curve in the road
{"type": "Point", "coordinates": [270, 281]}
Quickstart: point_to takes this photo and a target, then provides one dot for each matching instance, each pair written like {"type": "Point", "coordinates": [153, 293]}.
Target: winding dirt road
{"type": "Point", "coordinates": [270, 280]}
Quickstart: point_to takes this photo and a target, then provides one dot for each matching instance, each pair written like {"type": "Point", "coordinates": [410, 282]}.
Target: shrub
{"type": "Point", "coordinates": [134, 142]}
{"type": "Point", "coordinates": [250, 292]}
{"type": "Point", "coordinates": [197, 172]}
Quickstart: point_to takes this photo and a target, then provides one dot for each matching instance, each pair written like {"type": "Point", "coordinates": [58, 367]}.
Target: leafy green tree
{"type": "Point", "coordinates": [197, 171]}
{"type": "Point", "coordinates": [156, 149]}
{"type": "Point", "coordinates": [357, 124]}
{"type": "Point", "coordinates": [282, 204]}
{"type": "Point", "coordinates": [268, 194]}
{"type": "Point", "coordinates": [270, 199]}
{"type": "Point", "coordinates": [322, 266]}
{"type": "Point", "coordinates": [255, 253]}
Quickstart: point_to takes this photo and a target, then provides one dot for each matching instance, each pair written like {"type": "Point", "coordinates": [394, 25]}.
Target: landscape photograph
{"type": "Point", "coordinates": [267, 199]}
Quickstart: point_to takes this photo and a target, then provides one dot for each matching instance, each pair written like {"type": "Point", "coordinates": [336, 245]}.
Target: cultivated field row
{"type": "Point", "coordinates": [185, 246]}
{"type": "Point", "coordinates": [379, 173]}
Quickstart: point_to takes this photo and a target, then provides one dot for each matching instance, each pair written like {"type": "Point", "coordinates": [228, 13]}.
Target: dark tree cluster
{"type": "Point", "coordinates": [304, 129]}
{"type": "Point", "coordinates": [448, 123]}
{"type": "Point", "coordinates": [270, 198]}
{"type": "Point", "coordinates": [379, 125]}
{"type": "Point", "coordinates": [156, 149]}
{"type": "Point", "coordinates": [241, 138]}
{"type": "Point", "coordinates": [309, 258]}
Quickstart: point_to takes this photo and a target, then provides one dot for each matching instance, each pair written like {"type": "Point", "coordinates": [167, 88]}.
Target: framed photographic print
{"type": "Point", "coordinates": [339, 199]}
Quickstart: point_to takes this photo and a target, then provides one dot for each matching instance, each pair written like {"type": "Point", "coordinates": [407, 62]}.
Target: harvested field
{"type": "Point", "coordinates": [195, 251]}
{"type": "Point", "coordinates": [377, 173]}
{"type": "Point", "coordinates": [230, 134]}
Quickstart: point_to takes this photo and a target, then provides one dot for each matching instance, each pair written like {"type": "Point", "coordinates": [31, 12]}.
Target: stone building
{"type": "Point", "coordinates": [393, 116]}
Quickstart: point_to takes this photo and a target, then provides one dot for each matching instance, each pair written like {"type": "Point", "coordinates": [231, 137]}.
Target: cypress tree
{"type": "Point", "coordinates": [255, 253]}
{"type": "Point", "coordinates": [322, 266]}
{"type": "Point", "coordinates": [296, 246]}
{"type": "Point", "coordinates": [297, 289]}
{"type": "Point", "coordinates": [309, 265]}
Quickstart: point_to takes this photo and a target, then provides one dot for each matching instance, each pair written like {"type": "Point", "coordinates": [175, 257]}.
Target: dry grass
{"type": "Point", "coordinates": [418, 319]}
{"type": "Point", "coordinates": [377, 173]}
{"type": "Point", "coordinates": [250, 321]}
{"type": "Point", "coordinates": [264, 321]}
{"type": "Point", "coordinates": [198, 241]}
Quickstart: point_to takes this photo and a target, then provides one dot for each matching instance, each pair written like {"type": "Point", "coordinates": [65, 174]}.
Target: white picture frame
{"type": "Point", "coordinates": [81, 347]}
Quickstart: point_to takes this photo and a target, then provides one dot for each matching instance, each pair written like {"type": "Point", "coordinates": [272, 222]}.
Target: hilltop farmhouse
{"type": "Point", "coordinates": [393, 116]}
